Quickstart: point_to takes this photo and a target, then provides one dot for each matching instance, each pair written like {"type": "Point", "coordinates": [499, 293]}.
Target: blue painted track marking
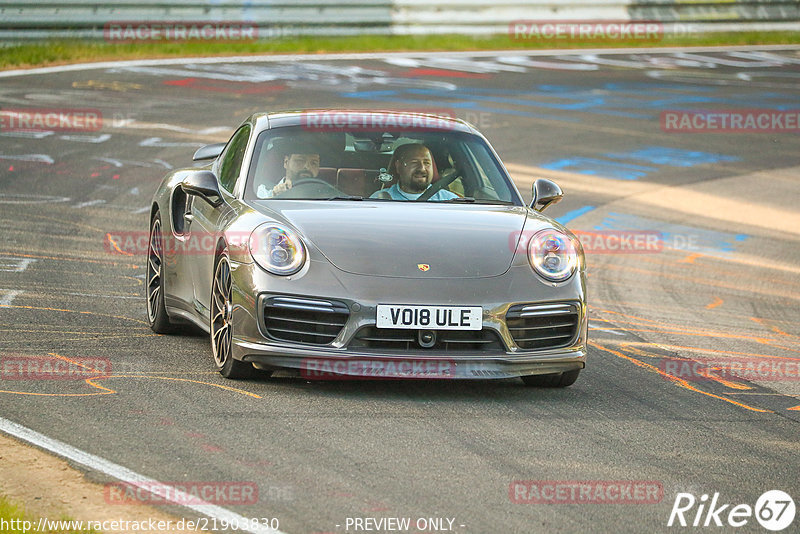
{"type": "Point", "coordinates": [624, 170]}
{"type": "Point", "coordinates": [600, 167]}
{"type": "Point", "coordinates": [661, 155]}
{"type": "Point", "coordinates": [677, 236]}
{"type": "Point", "coordinates": [574, 214]}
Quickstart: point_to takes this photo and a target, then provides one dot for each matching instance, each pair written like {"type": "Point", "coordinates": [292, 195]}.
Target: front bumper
{"type": "Point", "coordinates": [362, 294]}
{"type": "Point", "coordinates": [325, 364]}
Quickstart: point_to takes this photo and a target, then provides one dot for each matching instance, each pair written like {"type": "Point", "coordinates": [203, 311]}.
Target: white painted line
{"type": "Point", "coordinates": [381, 55]}
{"type": "Point", "coordinates": [102, 138]}
{"type": "Point", "coordinates": [142, 210]}
{"type": "Point", "coordinates": [36, 158]}
{"type": "Point", "coordinates": [156, 141]}
{"type": "Point", "coordinates": [112, 161]}
{"type": "Point", "coordinates": [167, 493]}
{"type": "Point", "coordinates": [7, 296]}
{"type": "Point", "coordinates": [11, 198]}
{"type": "Point", "coordinates": [595, 327]}
{"type": "Point", "coordinates": [122, 162]}
{"type": "Point", "coordinates": [163, 163]}
{"type": "Point", "coordinates": [14, 265]}
{"type": "Point", "coordinates": [89, 203]}
{"type": "Point", "coordinates": [175, 128]}
{"type": "Point", "coordinates": [28, 134]}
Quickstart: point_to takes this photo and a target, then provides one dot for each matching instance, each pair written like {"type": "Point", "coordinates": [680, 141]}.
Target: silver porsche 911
{"type": "Point", "coordinates": [355, 244]}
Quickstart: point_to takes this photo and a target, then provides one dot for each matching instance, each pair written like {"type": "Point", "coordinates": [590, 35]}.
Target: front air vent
{"type": "Point", "coordinates": [373, 338]}
{"type": "Point", "coordinates": [304, 320]}
{"type": "Point", "coordinates": [543, 326]}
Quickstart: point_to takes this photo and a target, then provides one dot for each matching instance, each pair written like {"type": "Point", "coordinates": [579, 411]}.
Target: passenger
{"type": "Point", "coordinates": [412, 168]}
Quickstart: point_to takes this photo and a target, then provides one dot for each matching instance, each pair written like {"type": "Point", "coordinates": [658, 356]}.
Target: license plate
{"type": "Point", "coordinates": [430, 317]}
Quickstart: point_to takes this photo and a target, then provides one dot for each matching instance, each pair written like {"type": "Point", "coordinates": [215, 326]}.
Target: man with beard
{"type": "Point", "coordinates": [412, 167]}
{"type": "Point", "coordinates": [299, 166]}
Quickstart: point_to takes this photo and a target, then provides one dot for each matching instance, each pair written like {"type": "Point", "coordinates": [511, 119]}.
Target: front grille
{"type": "Point", "coordinates": [371, 337]}
{"type": "Point", "coordinates": [543, 326]}
{"type": "Point", "coordinates": [304, 320]}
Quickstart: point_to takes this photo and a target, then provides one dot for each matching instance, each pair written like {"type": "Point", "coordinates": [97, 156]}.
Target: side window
{"type": "Point", "coordinates": [231, 162]}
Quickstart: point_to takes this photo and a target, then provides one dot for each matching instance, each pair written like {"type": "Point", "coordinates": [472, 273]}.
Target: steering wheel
{"type": "Point", "coordinates": [304, 181]}
{"type": "Point", "coordinates": [309, 188]}
{"type": "Point", "coordinates": [448, 177]}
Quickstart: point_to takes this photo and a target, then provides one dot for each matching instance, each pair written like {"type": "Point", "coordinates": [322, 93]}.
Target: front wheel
{"type": "Point", "coordinates": [553, 380]}
{"type": "Point", "coordinates": [222, 322]}
{"type": "Point", "coordinates": [156, 309]}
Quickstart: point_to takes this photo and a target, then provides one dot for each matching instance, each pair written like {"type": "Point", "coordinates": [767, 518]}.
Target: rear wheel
{"type": "Point", "coordinates": [222, 322]}
{"type": "Point", "coordinates": [553, 380]}
{"type": "Point", "coordinates": [156, 309]}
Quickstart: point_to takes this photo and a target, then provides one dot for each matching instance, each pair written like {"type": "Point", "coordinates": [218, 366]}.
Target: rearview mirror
{"type": "Point", "coordinates": [204, 185]}
{"type": "Point", "coordinates": [545, 193]}
{"type": "Point", "coordinates": [208, 151]}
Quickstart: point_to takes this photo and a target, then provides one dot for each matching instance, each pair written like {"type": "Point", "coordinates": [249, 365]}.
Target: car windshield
{"type": "Point", "coordinates": [291, 163]}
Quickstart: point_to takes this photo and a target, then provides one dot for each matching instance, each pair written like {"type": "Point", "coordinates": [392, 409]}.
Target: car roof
{"type": "Point", "coordinates": [343, 119]}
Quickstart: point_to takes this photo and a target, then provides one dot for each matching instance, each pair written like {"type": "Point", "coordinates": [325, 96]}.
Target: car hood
{"type": "Point", "coordinates": [407, 240]}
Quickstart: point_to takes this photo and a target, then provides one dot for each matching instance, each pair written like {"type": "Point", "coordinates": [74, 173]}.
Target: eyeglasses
{"type": "Point", "coordinates": [417, 163]}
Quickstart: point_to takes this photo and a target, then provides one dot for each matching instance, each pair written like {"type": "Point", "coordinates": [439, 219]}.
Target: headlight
{"type": "Point", "coordinates": [552, 255]}
{"type": "Point", "coordinates": [277, 249]}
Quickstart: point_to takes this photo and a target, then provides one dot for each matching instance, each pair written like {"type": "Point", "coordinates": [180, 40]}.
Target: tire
{"type": "Point", "coordinates": [554, 380]}
{"type": "Point", "coordinates": [154, 283]}
{"type": "Point", "coordinates": [221, 327]}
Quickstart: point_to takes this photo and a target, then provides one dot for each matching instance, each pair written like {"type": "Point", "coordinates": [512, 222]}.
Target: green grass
{"type": "Point", "coordinates": [63, 52]}
{"type": "Point", "coordinates": [12, 515]}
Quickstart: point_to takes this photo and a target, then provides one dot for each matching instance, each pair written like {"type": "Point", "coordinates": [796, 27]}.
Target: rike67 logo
{"type": "Point", "coordinates": [774, 510]}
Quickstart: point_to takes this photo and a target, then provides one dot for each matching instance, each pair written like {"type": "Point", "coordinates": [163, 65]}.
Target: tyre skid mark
{"type": "Point", "coordinates": [763, 322]}
{"type": "Point", "coordinates": [94, 382]}
{"type": "Point", "coordinates": [706, 268]}
{"type": "Point", "coordinates": [701, 281]}
{"type": "Point", "coordinates": [675, 380]}
{"type": "Point", "coordinates": [68, 258]}
{"type": "Point", "coordinates": [670, 328]}
{"type": "Point", "coordinates": [727, 383]}
{"type": "Point", "coordinates": [43, 308]}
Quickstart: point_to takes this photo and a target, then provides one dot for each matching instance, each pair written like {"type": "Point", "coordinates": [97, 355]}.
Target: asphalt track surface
{"type": "Point", "coordinates": [724, 285]}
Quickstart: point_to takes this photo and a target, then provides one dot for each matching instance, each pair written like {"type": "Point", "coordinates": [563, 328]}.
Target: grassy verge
{"type": "Point", "coordinates": [13, 520]}
{"type": "Point", "coordinates": [63, 52]}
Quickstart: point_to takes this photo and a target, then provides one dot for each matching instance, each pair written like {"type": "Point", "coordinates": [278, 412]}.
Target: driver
{"type": "Point", "coordinates": [412, 168]}
{"type": "Point", "coordinates": [299, 166]}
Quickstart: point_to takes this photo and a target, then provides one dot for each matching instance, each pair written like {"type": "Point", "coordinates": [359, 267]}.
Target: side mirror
{"type": "Point", "coordinates": [208, 151]}
{"type": "Point", "coordinates": [204, 185]}
{"type": "Point", "coordinates": [545, 193]}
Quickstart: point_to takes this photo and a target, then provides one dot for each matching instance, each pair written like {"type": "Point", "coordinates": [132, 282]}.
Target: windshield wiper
{"type": "Point", "coordinates": [346, 197]}
{"type": "Point", "coordinates": [481, 201]}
